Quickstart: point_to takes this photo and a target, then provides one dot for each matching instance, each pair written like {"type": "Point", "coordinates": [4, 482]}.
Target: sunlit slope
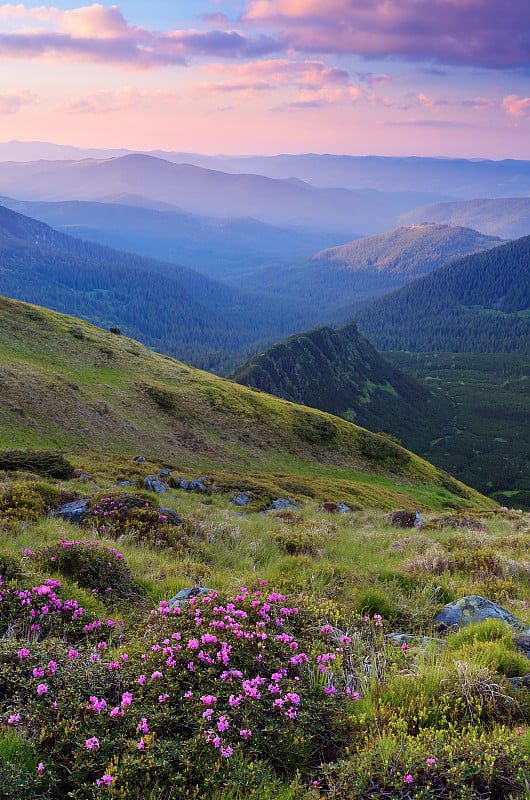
{"type": "Point", "coordinates": [67, 384]}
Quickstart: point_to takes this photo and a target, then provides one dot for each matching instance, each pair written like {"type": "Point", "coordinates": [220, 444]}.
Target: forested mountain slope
{"type": "Point", "coordinates": [336, 280]}
{"type": "Point", "coordinates": [507, 217]}
{"type": "Point", "coordinates": [479, 304]}
{"type": "Point", "coordinates": [169, 307]}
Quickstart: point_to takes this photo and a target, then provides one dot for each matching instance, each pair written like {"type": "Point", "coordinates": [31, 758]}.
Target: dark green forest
{"type": "Point", "coordinates": [478, 304]}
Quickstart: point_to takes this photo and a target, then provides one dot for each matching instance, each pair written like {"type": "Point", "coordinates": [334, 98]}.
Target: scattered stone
{"type": "Point", "coordinates": [124, 483]}
{"type": "Point", "coordinates": [198, 483]}
{"type": "Point", "coordinates": [241, 499]}
{"type": "Point", "coordinates": [280, 504]}
{"type": "Point", "coordinates": [87, 477]}
{"type": "Point", "coordinates": [334, 508]}
{"type": "Point", "coordinates": [140, 459]}
{"type": "Point", "coordinates": [152, 484]}
{"type": "Point", "coordinates": [474, 608]}
{"type": "Point", "coordinates": [405, 519]}
{"type": "Point", "coordinates": [75, 511]}
{"type": "Point", "coordinates": [164, 472]}
{"type": "Point", "coordinates": [416, 641]}
{"type": "Point", "coordinates": [182, 597]}
{"type": "Point", "coordinates": [171, 515]}
{"type": "Point", "coordinates": [522, 645]}
{"type": "Point", "coordinates": [519, 681]}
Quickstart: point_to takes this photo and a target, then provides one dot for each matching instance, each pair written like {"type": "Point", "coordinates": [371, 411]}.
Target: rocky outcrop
{"type": "Point", "coordinates": [153, 484]}
{"type": "Point", "coordinates": [76, 511]}
{"type": "Point", "coordinates": [475, 608]}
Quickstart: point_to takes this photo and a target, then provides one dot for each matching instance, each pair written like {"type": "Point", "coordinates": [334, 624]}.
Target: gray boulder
{"type": "Point", "coordinates": [164, 472]}
{"type": "Point", "coordinates": [474, 608]}
{"type": "Point", "coordinates": [280, 504]}
{"type": "Point", "coordinates": [140, 459]}
{"type": "Point", "coordinates": [124, 483]}
{"type": "Point", "coordinates": [152, 484]}
{"type": "Point", "coordinates": [241, 499]}
{"type": "Point", "coordinates": [198, 483]}
{"type": "Point", "coordinates": [182, 597]}
{"type": "Point", "coordinates": [75, 511]}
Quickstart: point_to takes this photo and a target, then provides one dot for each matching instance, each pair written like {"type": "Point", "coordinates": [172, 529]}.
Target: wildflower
{"type": "Point", "coordinates": [40, 766]}
{"type": "Point", "coordinates": [431, 762]}
{"type": "Point", "coordinates": [226, 752]}
{"type": "Point", "coordinates": [408, 779]}
{"type": "Point", "coordinates": [223, 724]}
{"type": "Point", "coordinates": [142, 679]}
{"type": "Point", "coordinates": [52, 666]}
{"type": "Point", "coordinates": [106, 780]}
{"type": "Point", "coordinates": [72, 654]}
{"type": "Point", "coordinates": [38, 672]}
{"type": "Point", "coordinates": [246, 733]}
{"type": "Point", "coordinates": [13, 718]}
{"type": "Point", "coordinates": [126, 699]}
{"type": "Point", "coordinates": [156, 674]}
{"type": "Point", "coordinates": [92, 743]}
{"type": "Point", "coordinates": [141, 745]}
{"type": "Point", "coordinates": [23, 652]}
{"type": "Point", "coordinates": [42, 688]}
{"type": "Point", "coordinates": [162, 698]}
{"type": "Point", "coordinates": [521, 730]}
{"type": "Point", "coordinates": [143, 726]}
{"type": "Point", "coordinates": [188, 695]}
{"type": "Point", "coordinates": [208, 699]}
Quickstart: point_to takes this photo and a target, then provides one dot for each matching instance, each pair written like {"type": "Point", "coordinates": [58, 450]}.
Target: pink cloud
{"type": "Point", "coordinates": [11, 102]}
{"type": "Point", "coordinates": [98, 34]}
{"type": "Point", "coordinates": [109, 102]}
{"type": "Point", "coordinates": [517, 106]}
{"type": "Point", "coordinates": [482, 32]}
{"type": "Point", "coordinates": [312, 83]}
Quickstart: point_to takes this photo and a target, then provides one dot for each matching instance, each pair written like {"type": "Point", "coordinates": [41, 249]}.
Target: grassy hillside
{"type": "Point", "coordinates": [477, 304]}
{"type": "Point", "coordinates": [68, 385]}
{"type": "Point", "coordinates": [338, 279]}
{"type": "Point", "coordinates": [340, 371]}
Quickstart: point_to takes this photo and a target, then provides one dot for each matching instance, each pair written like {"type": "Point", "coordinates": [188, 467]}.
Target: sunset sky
{"type": "Point", "coordinates": [388, 77]}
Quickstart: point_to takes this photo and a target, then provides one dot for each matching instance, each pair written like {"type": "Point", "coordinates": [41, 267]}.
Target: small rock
{"type": "Point", "coordinates": [164, 472]}
{"type": "Point", "coordinates": [281, 503]}
{"type": "Point", "coordinates": [519, 681]}
{"type": "Point", "coordinates": [242, 499]}
{"type": "Point", "coordinates": [416, 641]}
{"type": "Point", "coordinates": [182, 597]}
{"type": "Point", "coordinates": [74, 511]}
{"type": "Point", "coordinates": [474, 608]}
{"type": "Point", "coordinates": [171, 515]}
{"type": "Point", "coordinates": [190, 486]}
{"type": "Point", "coordinates": [87, 477]}
{"type": "Point", "coordinates": [405, 519]}
{"type": "Point", "coordinates": [140, 459]}
{"type": "Point", "coordinates": [124, 483]}
{"type": "Point", "coordinates": [334, 508]}
{"type": "Point", "coordinates": [152, 484]}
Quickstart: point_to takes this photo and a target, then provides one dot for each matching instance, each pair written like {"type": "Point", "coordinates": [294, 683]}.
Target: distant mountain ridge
{"type": "Point", "coordinates": [507, 217]}
{"type": "Point", "coordinates": [478, 304]}
{"type": "Point", "coordinates": [214, 246]}
{"type": "Point", "coordinates": [167, 306]}
{"type": "Point", "coordinates": [452, 177]}
{"type": "Point", "coordinates": [336, 281]}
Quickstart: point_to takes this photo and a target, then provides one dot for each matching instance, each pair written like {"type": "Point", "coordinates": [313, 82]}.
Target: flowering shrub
{"type": "Point", "coordinates": [218, 684]}
{"type": "Point", "coordinates": [94, 566]}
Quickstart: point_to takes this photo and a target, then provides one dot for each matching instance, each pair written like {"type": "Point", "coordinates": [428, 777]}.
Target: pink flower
{"type": "Point", "coordinates": [226, 752]}
{"type": "Point", "coordinates": [408, 779]}
{"type": "Point", "coordinates": [92, 743]}
{"type": "Point", "coordinates": [162, 698]}
{"type": "Point", "coordinates": [521, 730]}
{"type": "Point", "coordinates": [245, 733]}
{"type": "Point", "coordinates": [38, 672]}
{"type": "Point", "coordinates": [188, 695]}
{"type": "Point", "coordinates": [405, 646]}
{"type": "Point", "coordinates": [143, 726]}
{"type": "Point", "coordinates": [72, 654]}
{"type": "Point", "coordinates": [13, 718]}
{"type": "Point", "coordinates": [42, 688]}
{"type": "Point", "coordinates": [141, 745]}
{"type": "Point", "coordinates": [40, 766]}
{"type": "Point", "coordinates": [126, 699]}
{"type": "Point", "coordinates": [106, 780]}
{"type": "Point", "coordinates": [156, 674]}
{"type": "Point", "coordinates": [223, 724]}
{"type": "Point", "coordinates": [431, 762]}
{"type": "Point", "coordinates": [23, 652]}
{"type": "Point", "coordinates": [142, 679]}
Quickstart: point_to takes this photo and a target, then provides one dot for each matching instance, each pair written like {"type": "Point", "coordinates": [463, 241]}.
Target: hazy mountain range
{"type": "Point", "coordinates": [507, 217]}
{"type": "Point", "coordinates": [453, 177]}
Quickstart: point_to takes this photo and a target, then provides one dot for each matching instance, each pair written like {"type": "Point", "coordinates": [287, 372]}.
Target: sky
{"type": "Point", "coordinates": [447, 78]}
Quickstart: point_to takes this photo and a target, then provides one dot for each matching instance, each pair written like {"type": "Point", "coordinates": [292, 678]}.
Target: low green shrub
{"type": "Point", "coordinates": [44, 462]}
{"type": "Point", "coordinates": [447, 765]}
{"type": "Point", "coordinates": [27, 501]}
